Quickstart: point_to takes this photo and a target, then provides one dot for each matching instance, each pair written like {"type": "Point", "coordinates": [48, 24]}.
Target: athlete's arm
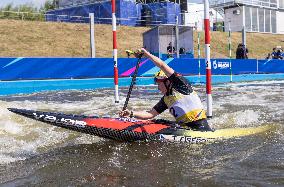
{"type": "Point", "coordinates": [145, 114]}
{"type": "Point", "coordinates": [139, 114]}
{"type": "Point", "coordinates": [181, 84]}
{"type": "Point", "coordinates": [159, 63]}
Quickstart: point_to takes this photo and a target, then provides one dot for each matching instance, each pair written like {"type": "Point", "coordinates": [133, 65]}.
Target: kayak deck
{"type": "Point", "coordinates": [126, 129]}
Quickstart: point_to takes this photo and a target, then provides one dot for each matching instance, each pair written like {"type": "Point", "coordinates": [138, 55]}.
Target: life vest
{"type": "Point", "coordinates": [185, 108]}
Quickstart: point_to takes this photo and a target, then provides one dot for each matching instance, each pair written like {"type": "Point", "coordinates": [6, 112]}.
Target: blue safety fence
{"type": "Point", "coordinates": [187, 66]}
{"type": "Point", "coordinates": [271, 66]}
{"type": "Point", "coordinates": [218, 66]}
{"type": "Point", "coordinates": [127, 13]}
{"type": "Point", "coordinates": [160, 13]}
{"type": "Point", "coordinates": [234, 66]}
{"type": "Point", "coordinates": [165, 56]}
{"type": "Point", "coordinates": [80, 68]}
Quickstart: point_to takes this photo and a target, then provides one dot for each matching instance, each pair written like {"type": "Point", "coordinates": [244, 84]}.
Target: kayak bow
{"type": "Point", "coordinates": [126, 129]}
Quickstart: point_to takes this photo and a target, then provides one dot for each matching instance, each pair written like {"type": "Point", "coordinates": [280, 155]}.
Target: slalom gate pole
{"type": "Point", "coordinates": [198, 50]}
{"type": "Point", "coordinates": [114, 51]}
{"type": "Point", "coordinates": [207, 58]}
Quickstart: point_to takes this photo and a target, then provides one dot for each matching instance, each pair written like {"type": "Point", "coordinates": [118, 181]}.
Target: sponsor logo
{"type": "Point", "coordinates": [128, 120]}
{"type": "Point", "coordinates": [161, 137]}
{"type": "Point", "coordinates": [221, 65]}
{"type": "Point", "coordinates": [62, 120]}
{"type": "Point", "coordinates": [176, 138]}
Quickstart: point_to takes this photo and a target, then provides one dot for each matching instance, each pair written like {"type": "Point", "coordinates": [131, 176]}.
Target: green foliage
{"type": "Point", "coordinates": [8, 7]}
{"type": "Point", "coordinates": [49, 5]}
{"type": "Point", "coordinates": [27, 11]}
{"type": "Point", "coordinates": [27, 8]}
{"type": "Point", "coordinates": [220, 26]}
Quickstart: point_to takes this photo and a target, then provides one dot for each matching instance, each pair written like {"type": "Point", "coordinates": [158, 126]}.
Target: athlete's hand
{"type": "Point", "coordinates": [124, 113]}
{"type": "Point", "coordinates": [143, 50]}
{"type": "Point", "coordinates": [139, 53]}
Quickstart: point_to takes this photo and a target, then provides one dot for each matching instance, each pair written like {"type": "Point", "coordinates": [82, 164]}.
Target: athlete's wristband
{"type": "Point", "coordinates": [131, 114]}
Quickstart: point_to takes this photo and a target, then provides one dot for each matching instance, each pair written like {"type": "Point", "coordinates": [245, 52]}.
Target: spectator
{"type": "Point", "coordinates": [171, 50]}
{"type": "Point", "coordinates": [246, 51]}
{"type": "Point", "coordinates": [268, 56]}
{"type": "Point", "coordinates": [242, 52]}
{"type": "Point", "coordinates": [277, 53]}
{"type": "Point", "coordinates": [273, 54]}
{"type": "Point", "coordinates": [182, 50]}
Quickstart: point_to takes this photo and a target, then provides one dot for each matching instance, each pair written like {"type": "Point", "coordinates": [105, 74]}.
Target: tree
{"type": "Point", "coordinates": [26, 8]}
{"type": "Point", "coordinates": [50, 5]}
{"type": "Point", "coordinates": [8, 7]}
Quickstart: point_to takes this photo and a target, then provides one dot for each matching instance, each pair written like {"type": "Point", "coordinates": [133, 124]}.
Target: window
{"type": "Point", "coordinates": [248, 18]}
{"type": "Point", "coordinates": [261, 19]}
{"type": "Point", "coordinates": [273, 21]}
{"type": "Point", "coordinates": [281, 4]}
{"type": "Point", "coordinates": [254, 19]}
{"type": "Point", "coordinates": [273, 3]}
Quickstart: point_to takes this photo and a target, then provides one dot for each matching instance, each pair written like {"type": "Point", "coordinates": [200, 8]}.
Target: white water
{"type": "Point", "coordinates": [234, 105]}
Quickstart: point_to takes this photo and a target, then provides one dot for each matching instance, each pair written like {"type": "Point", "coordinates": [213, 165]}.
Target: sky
{"type": "Point", "coordinates": [37, 3]}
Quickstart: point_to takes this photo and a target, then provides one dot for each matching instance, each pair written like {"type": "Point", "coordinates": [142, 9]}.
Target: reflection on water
{"type": "Point", "coordinates": [33, 153]}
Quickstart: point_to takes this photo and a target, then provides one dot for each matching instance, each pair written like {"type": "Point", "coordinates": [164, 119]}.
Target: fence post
{"type": "Point", "coordinates": [177, 37]}
{"type": "Point", "coordinates": [92, 35]}
{"type": "Point", "coordinates": [230, 52]}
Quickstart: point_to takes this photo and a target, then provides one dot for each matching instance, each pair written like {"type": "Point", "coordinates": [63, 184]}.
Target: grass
{"type": "Point", "coordinates": [48, 39]}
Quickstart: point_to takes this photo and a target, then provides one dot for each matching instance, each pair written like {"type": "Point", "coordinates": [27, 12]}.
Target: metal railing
{"type": "Point", "coordinates": [22, 15]}
{"type": "Point", "coordinates": [227, 3]}
{"type": "Point", "coordinates": [41, 16]}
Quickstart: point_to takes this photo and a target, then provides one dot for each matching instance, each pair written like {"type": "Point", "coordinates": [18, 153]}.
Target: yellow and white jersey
{"type": "Point", "coordinates": [183, 103]}
{"type": "Point", "coordinates": [185, 108]}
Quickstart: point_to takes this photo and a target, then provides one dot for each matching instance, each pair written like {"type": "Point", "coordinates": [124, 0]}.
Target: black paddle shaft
{"type": "Point", "coordinates": [132, 84]}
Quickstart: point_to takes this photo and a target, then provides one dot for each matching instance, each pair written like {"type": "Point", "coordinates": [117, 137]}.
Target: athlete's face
{"type": "Point", "coordinates": [162, 86]}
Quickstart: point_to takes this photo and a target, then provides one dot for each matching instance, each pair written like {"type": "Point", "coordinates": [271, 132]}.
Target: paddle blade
{"type": "Point", "coordinates": [137, 54]}
{"type": "Point", "coordinates": [129, 52]}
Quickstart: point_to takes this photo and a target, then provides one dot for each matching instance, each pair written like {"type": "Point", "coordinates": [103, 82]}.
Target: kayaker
{"type": "Point", "coordinates": [179, 97]}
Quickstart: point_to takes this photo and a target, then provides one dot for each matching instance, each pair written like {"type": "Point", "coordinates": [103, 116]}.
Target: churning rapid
{"type": "Point", "coordinates": [33, 153]}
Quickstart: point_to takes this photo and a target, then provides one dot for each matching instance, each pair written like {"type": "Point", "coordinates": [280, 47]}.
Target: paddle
{"type": "Point", "coordinates": [138, 55]}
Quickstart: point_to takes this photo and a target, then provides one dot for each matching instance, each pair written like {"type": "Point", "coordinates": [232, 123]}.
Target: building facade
{"type": "Point", "coordinates": [194, 16]}
{"type": "Point", "coordinates": [265, 16]}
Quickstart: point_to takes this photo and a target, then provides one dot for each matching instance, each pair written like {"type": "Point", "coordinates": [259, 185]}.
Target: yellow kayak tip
{"type": "Point", "coordinates": [228, 133]}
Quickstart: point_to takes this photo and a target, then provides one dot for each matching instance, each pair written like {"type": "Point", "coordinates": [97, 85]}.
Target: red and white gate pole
{"type": "Point", "coordinates": [207, 58]}
{"type": "Point", "coordinates": [114, 51]}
